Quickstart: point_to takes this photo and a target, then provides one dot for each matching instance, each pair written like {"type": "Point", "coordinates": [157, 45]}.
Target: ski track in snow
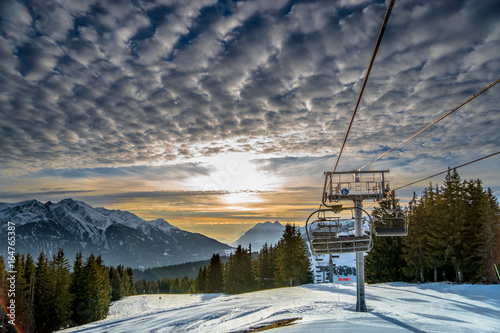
{"type": "Point", "coordinates": [392, 307]}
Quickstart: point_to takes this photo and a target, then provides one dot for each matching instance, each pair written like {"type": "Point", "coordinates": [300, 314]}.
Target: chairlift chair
{"type": "Point", "coordinates": [392, 227]}
{"type": "Point", "coordinates": [330, 234]}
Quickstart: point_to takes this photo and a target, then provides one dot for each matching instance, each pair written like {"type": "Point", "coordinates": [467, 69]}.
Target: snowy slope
{"type": "Point", "coordinates": [392, 307]}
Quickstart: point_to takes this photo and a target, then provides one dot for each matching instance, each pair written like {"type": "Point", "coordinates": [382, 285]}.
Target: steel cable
{"type": "Point", "coordinates": [365, 80]}
{"type": "Point", "coordinates": [440, 173]}
{"type": "Point", "coordinates": [433, 123]}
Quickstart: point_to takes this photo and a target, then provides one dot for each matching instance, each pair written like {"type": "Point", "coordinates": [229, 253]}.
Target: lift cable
{"type": "Point", "coordinates": [365, 80]}
{"type": "Point", "coordinates": [440, 173]}
{"type": "Point", "coordinates": [433, 123]}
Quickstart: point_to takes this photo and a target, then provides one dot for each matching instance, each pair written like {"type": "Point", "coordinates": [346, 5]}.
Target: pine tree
{"type": "Point", "coordinates": [102, 290]}
{"type": "Point", "coordinates": [416, 246]}
{"type": "Point", "coordinates": [92, 285]}
{"type": "Point", "coordinates": [44, 289]}
{"type": "Point", "coordinates": [185, 284]}
{"type": "Point", "coordinates": [239, 276]}
{"type": "Point", "coordinates": [292, 260]}
{"type": "Point", "coordinates": [454, 233]}
{"type": "Point", "coordinates": [126, 279]}
{"type": "Point", "coordinates": [30, 269]}
{"type": "Point", "coordinates": [140, 286]}
{"type": "Point", "coordinates": [199, 284]}
{"type": "Point", "coordinates": [117, 291]}
{"type": "Point", "coordinates": [484, 238]}
{"type": "Point", "coordinates": [214, 275]}
{"type": "Point", "coordinates": [265, 267]}
{"type": "Point", "coordinates": [24, 318]}
{"type": "Point", "coordinates": [77, 288]}
{"type": "Point", "coordinates": [3, 293]}
{"type": "Point", "coordinates": [130, 282]}
{"type": "Point", "coordinates": [175, 286]}
{"type": "Point", "coordinates": [454, 226]}
{"type": "Point", "coordinates": [62, 298]}
{"type": "Point", "coordinates": [493, 250]}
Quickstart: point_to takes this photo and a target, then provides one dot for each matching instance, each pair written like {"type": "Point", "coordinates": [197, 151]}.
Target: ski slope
{"type": "Point", "coordinates": [392, 307]}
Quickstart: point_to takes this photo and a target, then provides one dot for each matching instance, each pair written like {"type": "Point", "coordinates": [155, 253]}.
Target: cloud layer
{"type": "Point", "coordinates": [107, 88]}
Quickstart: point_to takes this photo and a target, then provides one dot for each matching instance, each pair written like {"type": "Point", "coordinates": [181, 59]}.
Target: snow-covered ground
{"type": "Point", "coordinates": [392, 307]}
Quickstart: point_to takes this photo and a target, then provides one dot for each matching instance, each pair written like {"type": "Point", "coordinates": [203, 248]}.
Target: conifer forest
{"type": "Point", "coordinates": [454, 235]}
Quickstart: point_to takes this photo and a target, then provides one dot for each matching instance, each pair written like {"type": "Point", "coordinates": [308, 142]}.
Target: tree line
{"type": "Point", "coordinates": [454, 235]}
{"type": "Point", "coordinates": [49, 297]}
{"type": "Point", "coordinates": [284, 264]}
{"type": "Point", "coordinates": [189, 269]}
{"type": "Point", "coordinates": [164, 286]}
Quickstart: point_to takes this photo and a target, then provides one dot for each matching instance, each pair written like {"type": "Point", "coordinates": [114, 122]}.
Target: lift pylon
{"type": "Point", "coordinates": [340, 186]}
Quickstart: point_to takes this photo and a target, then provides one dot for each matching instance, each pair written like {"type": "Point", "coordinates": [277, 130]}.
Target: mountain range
{"type": "Point", "coordinates": [261, 233]}
{"type": "Point", "coordinates": [120, 237]}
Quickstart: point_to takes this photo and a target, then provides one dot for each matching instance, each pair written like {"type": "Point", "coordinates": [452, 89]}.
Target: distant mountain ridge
{"type": "Point", "coordinates": [121, 237]}
{"type": "Point", "coordinates": [261, 233]}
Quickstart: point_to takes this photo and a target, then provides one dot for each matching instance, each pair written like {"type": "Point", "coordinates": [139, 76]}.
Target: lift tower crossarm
{"type": "Point", "coordinates": [364, 185]}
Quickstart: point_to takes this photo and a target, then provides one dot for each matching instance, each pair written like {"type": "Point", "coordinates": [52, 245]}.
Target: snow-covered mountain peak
{"type": "Point", "coordinates": [85, 215]}
{"type": "Point", "coordinates": [162, 225]}
{"type": "Point", "coordinates": [261, 233]}
{"type": "Point", "coordinates": [121, 237]}
{"type": "Point", "coordinates": [268, 225]}
{"type": "Point", "coordinates": [21, 212]}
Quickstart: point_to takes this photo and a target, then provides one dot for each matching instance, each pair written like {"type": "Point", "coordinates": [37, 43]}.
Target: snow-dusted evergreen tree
{"type": "Point", "coordinates": [292, 260]}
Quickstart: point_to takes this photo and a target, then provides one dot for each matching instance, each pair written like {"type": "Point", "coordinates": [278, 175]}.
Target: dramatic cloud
{"type": "Point", "coordinates": [97, 85]}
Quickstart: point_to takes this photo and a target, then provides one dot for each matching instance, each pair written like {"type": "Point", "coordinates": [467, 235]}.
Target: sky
{"type": "Point", "coordinates": [216, 115]}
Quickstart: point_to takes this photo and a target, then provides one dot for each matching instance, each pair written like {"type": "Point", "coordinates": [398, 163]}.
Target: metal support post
{"type": "Point", "coordinates": [360, 256]}
{"type": "Point", "coordinates": [330, 268]}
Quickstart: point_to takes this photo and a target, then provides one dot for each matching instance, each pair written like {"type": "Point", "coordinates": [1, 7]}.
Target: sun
{"type": "Point", "coordinates": [235, 172]}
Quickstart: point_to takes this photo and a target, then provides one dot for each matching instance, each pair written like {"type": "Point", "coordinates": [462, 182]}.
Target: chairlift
{"type": "Point", "coordinates": [330, 233]}
{"type": "Point", "coordinates": [392, 226]}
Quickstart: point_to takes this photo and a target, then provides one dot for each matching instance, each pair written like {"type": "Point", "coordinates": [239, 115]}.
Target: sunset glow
{"type": "Point", "coordinates": [216, 115]}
